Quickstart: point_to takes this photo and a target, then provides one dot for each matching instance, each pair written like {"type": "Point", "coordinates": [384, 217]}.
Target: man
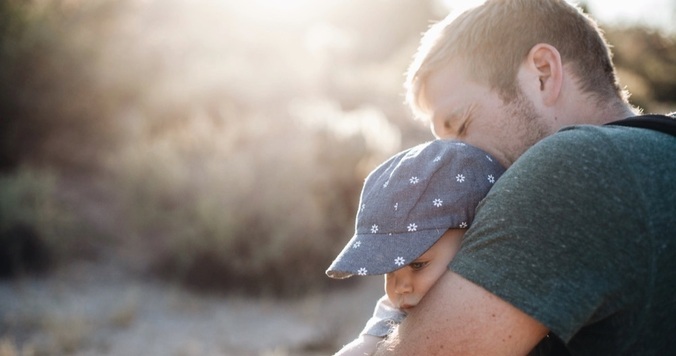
{"type": "Point", "coordinates": [578, 238]}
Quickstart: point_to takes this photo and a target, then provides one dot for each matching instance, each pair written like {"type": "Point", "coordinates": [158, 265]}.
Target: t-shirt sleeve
{"type": "Point", "coordinates": [542, 238]}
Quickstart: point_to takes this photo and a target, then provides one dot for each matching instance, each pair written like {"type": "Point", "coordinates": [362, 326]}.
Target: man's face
{"type": "Point", "coordinates": [406, 286]}
{"type": "Point", "coordinates": [460, 108]}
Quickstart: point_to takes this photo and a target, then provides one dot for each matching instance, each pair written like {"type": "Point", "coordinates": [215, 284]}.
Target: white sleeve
{"type": "Point", "coordinates": [385, 318]}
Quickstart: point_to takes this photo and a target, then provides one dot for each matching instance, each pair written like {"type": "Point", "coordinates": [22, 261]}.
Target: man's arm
{"type": "Point", "coordinates": [457, 317]}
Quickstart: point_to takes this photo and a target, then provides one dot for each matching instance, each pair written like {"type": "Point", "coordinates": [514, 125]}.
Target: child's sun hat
{"type": "Point", "coordinates": [410, 201]}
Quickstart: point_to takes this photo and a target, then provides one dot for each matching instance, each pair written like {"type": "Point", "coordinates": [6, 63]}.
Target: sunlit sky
{"type": "Point", "coordinates": [652, 13]}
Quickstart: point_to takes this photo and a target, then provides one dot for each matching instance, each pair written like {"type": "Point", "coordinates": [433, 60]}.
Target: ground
{"type": "Point", "coordinates": [97, 308]}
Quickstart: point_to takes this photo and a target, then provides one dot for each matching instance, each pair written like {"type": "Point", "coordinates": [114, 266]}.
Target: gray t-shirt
{"type": "Point", "coordinates": [580, 233]}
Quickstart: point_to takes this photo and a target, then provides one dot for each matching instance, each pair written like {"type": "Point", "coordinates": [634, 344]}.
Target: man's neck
{"type": "Point", "coordinates": [590, 112]}
{"type": "Point", "coordinates": [616, 111]}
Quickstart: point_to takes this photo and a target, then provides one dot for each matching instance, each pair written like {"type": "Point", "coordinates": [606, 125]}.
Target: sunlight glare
{"type": "Point", "coordinates": [461, 5]}
{"type": "Point", "coordinates": [281, 10]}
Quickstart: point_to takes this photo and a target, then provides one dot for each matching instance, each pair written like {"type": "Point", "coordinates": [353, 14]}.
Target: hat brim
{"type": "Point", "coordinates": [372, 254]}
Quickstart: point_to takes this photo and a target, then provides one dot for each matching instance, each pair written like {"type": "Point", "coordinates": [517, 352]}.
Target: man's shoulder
{"type": "Point", "coordinates": [583, 134]}
{"type": "Point", "coordinates": [584, 154]}
{"type": "Point", "coordinates": [566, 146]}
{"type": "Point", "coordinates": [585, 140]}
{"type": "Point", "coordinates": [637, 127]}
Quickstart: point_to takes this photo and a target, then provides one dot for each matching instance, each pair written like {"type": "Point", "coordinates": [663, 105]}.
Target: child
{"type": "Point", "coordinates": [414, 210]}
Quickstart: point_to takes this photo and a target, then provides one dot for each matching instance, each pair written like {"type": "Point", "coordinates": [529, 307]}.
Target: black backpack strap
{"type": "Point", "coordinates": [662, 123]}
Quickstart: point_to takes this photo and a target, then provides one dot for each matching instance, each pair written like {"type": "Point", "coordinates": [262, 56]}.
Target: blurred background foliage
{"type": "Point", "coordinates": [218, 144]}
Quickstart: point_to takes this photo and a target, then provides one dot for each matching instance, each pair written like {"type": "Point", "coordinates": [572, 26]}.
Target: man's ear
{"type": "Point", "coordinates": [545, 61]}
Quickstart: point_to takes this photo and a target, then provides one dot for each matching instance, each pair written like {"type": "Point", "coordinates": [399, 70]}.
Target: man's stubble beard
{"type": "Point", "coordinates": [529, 126]}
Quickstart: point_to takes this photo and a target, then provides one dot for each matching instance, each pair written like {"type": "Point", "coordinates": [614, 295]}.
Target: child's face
{"type": "Point", "coordinates": [406, 286]}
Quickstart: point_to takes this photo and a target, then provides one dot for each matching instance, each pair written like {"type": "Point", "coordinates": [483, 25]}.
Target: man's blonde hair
{"type": "Point", "coordinates": [493, 39]}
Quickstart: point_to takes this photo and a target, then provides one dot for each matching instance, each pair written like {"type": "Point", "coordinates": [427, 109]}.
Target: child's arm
{"type": "Point", "coordinates": [364, 345]}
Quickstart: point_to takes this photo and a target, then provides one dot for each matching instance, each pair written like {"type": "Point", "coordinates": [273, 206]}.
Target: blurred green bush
{"type": "Point", "coordinates": [53, 109]}
{"type": "Point", "coordinates": [646, 63]}
{"type": "Point", "coordinates": [255, 207]}
{"type": "Point", "coordinates": [37, 230]}
{"type": "Point", "coordinates": [230, 163]}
